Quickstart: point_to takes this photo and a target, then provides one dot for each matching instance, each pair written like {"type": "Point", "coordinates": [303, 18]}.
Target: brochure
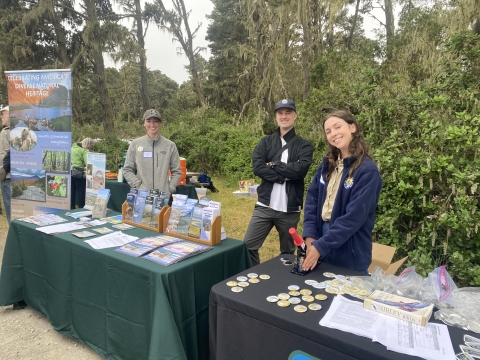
{"type": "Point", "coordinates": [103, 230]}
{"type": "Point", "coordinates": [123, 226]}
{"type": "Point", "coordinates": [83, 234]}
{"type": "Point", "coordinates": [143, 246]}
{"type": "Point", "coordinates": [174, 253]}
{"type": "Point", "coordinates": [100, 207]}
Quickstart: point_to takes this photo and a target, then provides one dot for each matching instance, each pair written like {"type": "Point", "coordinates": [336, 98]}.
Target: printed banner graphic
{"type": "Point", "coordinates": [40, 105]}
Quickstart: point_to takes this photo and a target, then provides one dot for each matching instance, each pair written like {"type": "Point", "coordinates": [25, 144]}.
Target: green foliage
{"type": "Point", "coordinates": [214, 144]}
{"type": "Point", "coordinates": [425, 140]}
{"type": "Point", "coordinates": [113, 147]}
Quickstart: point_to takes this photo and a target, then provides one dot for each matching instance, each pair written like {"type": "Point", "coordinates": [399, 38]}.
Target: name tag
{"type": "Point", "coordinates": [147, 154]}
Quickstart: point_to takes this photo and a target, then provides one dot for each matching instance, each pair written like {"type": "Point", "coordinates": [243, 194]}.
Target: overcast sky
{"type": "Point", "coordinates": [162, 53]}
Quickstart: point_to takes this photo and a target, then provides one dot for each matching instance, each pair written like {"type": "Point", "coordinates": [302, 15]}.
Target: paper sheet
{"type": "Point", "coordinates": [430, 342]}
{"type": "Point", "coordinates": [114, 239]}
{"type": "Point", "coordinates": [60, 228]}
{"type": "Point", "coordinates": [350, 316]}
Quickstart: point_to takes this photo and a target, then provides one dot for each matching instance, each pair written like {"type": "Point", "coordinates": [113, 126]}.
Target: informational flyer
{"type": "Point", "coordinates": [95, 174]}
{"type": "Point", "coordinates": [40, 103]}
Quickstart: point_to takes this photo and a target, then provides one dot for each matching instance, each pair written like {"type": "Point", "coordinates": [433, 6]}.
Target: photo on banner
{"type": "Point", "coordinates": [40, 103]}
{"type": "Point", "coordinates": [95, 176]}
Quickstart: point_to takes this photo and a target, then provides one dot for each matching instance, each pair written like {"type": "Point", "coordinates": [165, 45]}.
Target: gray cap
{"type": "Point", "coordinates": [285, 103]}
{"type": "Point", "coordinates": [152, 113]}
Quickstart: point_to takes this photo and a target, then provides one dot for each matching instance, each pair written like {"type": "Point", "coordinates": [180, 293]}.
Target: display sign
{"type": "Point", "coordinates": [40, 103]}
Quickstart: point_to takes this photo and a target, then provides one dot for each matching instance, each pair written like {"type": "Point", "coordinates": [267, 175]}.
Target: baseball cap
{"type": "Point", "coordinates": [152, 113]}
{"type": "Point", "coordinates": [285, 103]}
{"type": "Point", "coordinates": [6, 108]}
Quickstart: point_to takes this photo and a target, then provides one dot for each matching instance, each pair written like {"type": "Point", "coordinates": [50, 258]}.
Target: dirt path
{"type": "Point", "coordinates": [26, 334]}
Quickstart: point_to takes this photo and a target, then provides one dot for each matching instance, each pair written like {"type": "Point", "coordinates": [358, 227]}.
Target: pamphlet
{"type": "Point", "coordinates": [103, 230]}
{"type": "Point", "coordinates": [131, 198]}
{"type": "Point", "coordinates": [143, 246]}
{"type": "Point", "coordinates": [100, 207]}
{"type": "Point", "coordinates": [83, 234]}
{"type": "Point", "coordinates": [123, 226]}
{"type": "Point", "coordinates": [148, 210]}
{"type": "Point", "coordinates": [174, 253]}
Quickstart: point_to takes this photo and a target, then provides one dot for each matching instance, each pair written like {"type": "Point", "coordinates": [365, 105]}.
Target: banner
{"type": "Point", "coordinates": [95, 176]}
{"type": "Point", "coordinates": [40, 140]}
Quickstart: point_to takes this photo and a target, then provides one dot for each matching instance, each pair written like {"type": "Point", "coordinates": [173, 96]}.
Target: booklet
{"type": "Point", "coordinates": [139, 207]}
{"type": "Point", "coordinates": [196, 222]}
{"type": "Point", "coordinates": [176, 252]}
{"type": "Point", "coordinates": [103, 230]}
{"type": "Point", "coordinates": [143, 246]}
{"type": "Point", "coordinates": [148, 210]}
{"type": "Point", "coordinates": [123, 226]}
{"type": "Point", "coordinates": [131, 198]}
{"type": "Point", "coordinates": [100, 206]}
{"type": "Point", "coordinates": [159, 204]}
{"type": "Point", "coordinates": [184, 220]}
{"type": "Point", "coordinates": [83, 234]}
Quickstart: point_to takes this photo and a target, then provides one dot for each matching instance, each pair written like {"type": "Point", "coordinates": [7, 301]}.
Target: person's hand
{"type": "Point", "coordinates": [309, 241]}
{"type": "Point", "coordinates": [312, 258]}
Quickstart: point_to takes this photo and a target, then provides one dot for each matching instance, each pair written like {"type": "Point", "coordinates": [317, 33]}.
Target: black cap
{"type": "Point", "coordinates": [285, 103]}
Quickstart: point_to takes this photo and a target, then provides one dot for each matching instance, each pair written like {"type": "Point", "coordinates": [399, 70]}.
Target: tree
{"type": "Point", "coordinates": [176, 22]}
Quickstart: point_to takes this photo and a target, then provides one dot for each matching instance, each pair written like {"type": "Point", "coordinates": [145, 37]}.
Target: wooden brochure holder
{"type": "Point", "coordinates": [158, 228]}
{"type": "Point", "coordinates": [215, 229]}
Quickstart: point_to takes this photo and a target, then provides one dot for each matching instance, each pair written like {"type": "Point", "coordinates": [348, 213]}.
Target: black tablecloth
{"type": "Point", "coordinates": [119, 191]}
{"type": "Point", "coordinates": [246, 326]}
{"type": "Point", "coordinates": [122, 307]}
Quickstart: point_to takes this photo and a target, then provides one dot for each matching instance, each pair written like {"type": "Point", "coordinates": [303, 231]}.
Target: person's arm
{"type": "Point", "coordinates": [175, 170]}
{"type": "Point", "coordinates": [297, 168]}
{"type": "Point", "coordinates": [260, 167]}
{"type": "Point", "coordinates": [129, 168]}
{"type": "Point", "coordinates": [310, 217]}
{"type": "Point", "coordinates": [363, 201]}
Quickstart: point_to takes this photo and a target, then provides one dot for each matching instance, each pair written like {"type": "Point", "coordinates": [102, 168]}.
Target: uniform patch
{"type": "Point", "coordinates": [348, 183]}
{"type": "Point", "coordinates": [140, 148]}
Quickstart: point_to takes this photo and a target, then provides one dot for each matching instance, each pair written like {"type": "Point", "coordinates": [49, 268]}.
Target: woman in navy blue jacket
{"type": "Point", "coordinates": [342, 198]}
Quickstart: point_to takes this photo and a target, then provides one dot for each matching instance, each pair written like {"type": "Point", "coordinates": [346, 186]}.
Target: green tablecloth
{"type": "Point", "coordinates": [122, 307]}
{"type": "Point", "coordinates": [119, 191]}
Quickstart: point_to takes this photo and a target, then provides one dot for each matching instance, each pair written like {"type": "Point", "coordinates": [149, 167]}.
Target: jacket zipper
{"type": "Point", "coordinates": [153, 164]}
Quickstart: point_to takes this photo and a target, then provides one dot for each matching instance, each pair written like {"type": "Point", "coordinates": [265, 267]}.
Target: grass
{"type": "Point", "coordinates": [236, 213]}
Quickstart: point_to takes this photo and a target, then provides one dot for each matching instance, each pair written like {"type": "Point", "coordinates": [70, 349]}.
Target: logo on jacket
{"type": "Point", "coordinates": [348, 183]}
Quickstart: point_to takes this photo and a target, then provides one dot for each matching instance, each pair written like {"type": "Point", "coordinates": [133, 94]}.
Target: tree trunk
{"type": "Point", "coordinates": [304, 13]}
{"type": "Point", "coordinates": [143, 56]}
{"type": "Point", "coordinates": [354, 25]}
{"type": "Point", "coordinates": [389, 26]}
{"type": "Point", "coordinates": [96, 56]}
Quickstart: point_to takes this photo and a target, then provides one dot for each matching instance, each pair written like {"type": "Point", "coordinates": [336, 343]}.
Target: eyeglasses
{"type": "Point", "coordinates": [286, 261]}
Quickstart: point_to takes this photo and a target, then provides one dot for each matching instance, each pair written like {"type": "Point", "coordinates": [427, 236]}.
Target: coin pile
{"type": "Point", "coordinates": [244, 281]}
{"type": "Point", "coordinates": [341, 285]}
{"type": "Point", "coordinates": [292, 298]}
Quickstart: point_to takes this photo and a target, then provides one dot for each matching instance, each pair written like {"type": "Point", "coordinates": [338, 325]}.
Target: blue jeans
{"type": "Point", "coordinates": [6, 198]}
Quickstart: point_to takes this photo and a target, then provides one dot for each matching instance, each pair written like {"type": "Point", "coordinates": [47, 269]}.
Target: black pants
{"type": "Point", "coordinates": [77, 195]}
{"type": "Point", "coordinates": [262, 221]}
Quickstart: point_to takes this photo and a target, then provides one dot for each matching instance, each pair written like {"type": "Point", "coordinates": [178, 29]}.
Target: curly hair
{"type": "Point", "coordinates": [357, 148]}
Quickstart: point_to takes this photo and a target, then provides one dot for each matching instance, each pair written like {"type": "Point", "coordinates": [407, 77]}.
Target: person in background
{"type": "Point", "coordinates": [79, 160]}
{"type": "Point", "coordinates": [342, 198]}
{"type": "Point", "coordinates": [151, 156]}
{"type": "Point", "coordinates": [281, 160]}
{"type": "Point", "coordinates": [4, 149]}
